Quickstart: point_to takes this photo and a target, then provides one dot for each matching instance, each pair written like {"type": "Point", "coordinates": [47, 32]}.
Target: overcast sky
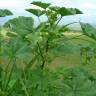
{"type": "Point", "coordinates": [18, 6]}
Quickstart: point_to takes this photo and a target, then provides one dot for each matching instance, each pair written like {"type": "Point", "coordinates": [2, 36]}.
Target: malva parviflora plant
{"type": "Point", "coordinates": [29, 49]}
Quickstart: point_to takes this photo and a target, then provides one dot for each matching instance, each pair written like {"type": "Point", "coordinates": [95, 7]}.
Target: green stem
{"type": "Point", "coordinates": [58, 21]}
{"type": "Point", "coordinates": [41, 54]}
{"type": "Point", "coordinates": [6, 69]}
{"type": "Point", "coordinates": [70, 24]}
{"type": "Point", "coordinates": [30, 63]}
{"type": "Point", "coordinates": [47, 43]}
{"type": "Point", "coordinates": [83, 39]}
{"type": "Point", "coordinates": [77, 37]}
{"type": "Point", "coordinates": [23, 82]}
{"type": "Point", "coordinates": [39, 19]}
{"type": "Point", "coordinates": [24, 86]}
{"type": "Point", "coordinates": [10, 74]}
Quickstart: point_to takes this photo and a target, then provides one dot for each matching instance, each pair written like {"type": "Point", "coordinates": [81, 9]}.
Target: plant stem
{"type": "Point", "coordinates": [58, 21]}
{"type": "Point", "coordinates": [24, 83]}
{"type": "Point", "coordinates": [25, 89]}
{"type": "Point", "coordinates": [6, 69]}
{"type": "Point", "coordinates": [47, 45]}
{"type": "Point", "coordinates": [70, 24]}
{"type": "Point", "coordinates": [30, 63]}
{"type": "Point", "coordinates": [41, 54]}
{"type": "Point", "coordinates": [83, 39]}
{"type": "Point", "coordinates": [10, 74]}
{"type": "Point", "coordinates": [39, 19]}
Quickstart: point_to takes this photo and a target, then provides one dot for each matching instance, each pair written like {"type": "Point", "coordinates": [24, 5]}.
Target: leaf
{"type": "Point", "coordinates": [68, 11]}
{"type": "Point", "coordinates": [54, 8]}
{"type": "Point", "coordinates": [76, 82]}
{"type": "Point", "coordinates": [78, 11]}
{"type": "Point", "coordinates": [36, 12]}
{"type": "Point", "coordinates": [21, 25]}
{"type": "Point", "coordinates": [11, 34]}
{"type": "Point", "coordinates": [63, 29]}
{"type": "Point", "coordinates": [5, 12]}
{"type": "Point", "coordinates": [17, 47]}
{"type": "Point", "coordinates": [23, 52]}
{"type": "Point", "coordinates": [75, 11]}
{"type": "Point", "coordinates": [64, 12]}
{"type": "Point", "coordinates": [34, 38]}
{"type": "Point", "coordinates": [88, 30]}
{"type": "Point", "coordinates": [40, 4]}
{"type": "Point", "coordinates": [42, 27]}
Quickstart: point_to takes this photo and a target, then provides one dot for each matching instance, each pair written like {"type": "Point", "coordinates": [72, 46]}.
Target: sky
{"type": "Point", "coordinates": [87, 6]}
{"type": "Point", "coordinates": [18, 6]}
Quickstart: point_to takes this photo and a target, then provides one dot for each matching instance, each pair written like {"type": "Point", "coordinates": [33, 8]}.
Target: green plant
{"type": "Point", "coordinates": [30, 50]}
{"type": "Point", "coordinates": [5, 12]}
{"type": "Point", "coordinates": [88, 53]}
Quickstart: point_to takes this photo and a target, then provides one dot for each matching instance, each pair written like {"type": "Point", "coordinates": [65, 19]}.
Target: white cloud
{"type": "Point", "coordinates": [87, 6]}
{"type": "Point", "coordinates": [17, 4]}
{"type": "Point", "coordinates": [9, 3]}
{"type": "Point", "coordinates": [66, 3]}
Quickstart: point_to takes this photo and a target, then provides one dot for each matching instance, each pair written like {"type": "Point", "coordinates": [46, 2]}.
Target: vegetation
{"type": "Point", "coordinates": [26, 53]}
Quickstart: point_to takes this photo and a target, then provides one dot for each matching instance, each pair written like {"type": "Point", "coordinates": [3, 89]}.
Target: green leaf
{"type": "Point", "coordinates": [68, 11]}
{"type": "Point", "coordinates": [17, 47]}
{"type": "Point", "coordinates": [75, 11]}
{"type": "Point", "coordinates": [5, 12]}
{"type": "Point", "coordinates": [11, 34]}
{"type": "Point", "coordinates": [36, 12]}
{"type": "Point", "coordinates": [54, 8]}
{"type": "Point", "coordinates": [88, 30]}
{"type": "Point", "coordinates": [34, 38]}
{"type": "Point", "coordinates": [78, 11]}
{"type": "Point", "coordinates": [76, 82]}
{"type": "Point", "coordinates": [21, 25]}
{"type": "Point", "coordinates": [63, 29]}
{"type": "Point", "coordinates": [64, 12]}
{"type": "Point", "coordinates": [23, 52]}
{"type": "Point", "coordinates": [40, 4]}
{"type": "Point", "coordinates": [42, 27]}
